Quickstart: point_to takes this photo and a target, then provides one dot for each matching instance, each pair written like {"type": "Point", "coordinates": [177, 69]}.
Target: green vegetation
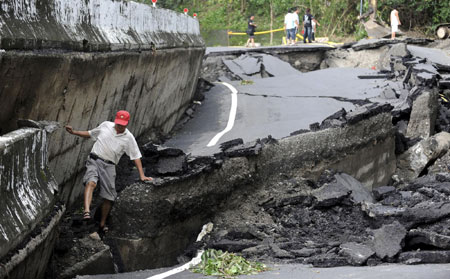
{"type": "Point", "coordinates": [338, 18]}
{"type": "Point", "coordinates": [228, 265]}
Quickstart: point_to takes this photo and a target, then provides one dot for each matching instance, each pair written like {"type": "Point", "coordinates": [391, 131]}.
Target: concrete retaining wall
{"type": "Point", "coordinates": [27, 186]}
{"type": "Point", "coordinates": [27, 193]}
{"type": "Point", "coordinates": [93, 25]}
{"type": "Point", "coordinates": [86, 88]}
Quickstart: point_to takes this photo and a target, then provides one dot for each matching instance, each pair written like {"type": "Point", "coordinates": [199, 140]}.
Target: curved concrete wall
{"type": "Point", "coordinates": [27, 186]}
{"type": "Point", "coordinates": [149, 65]}
{"type": "Point", "coordinates": [93, 25]}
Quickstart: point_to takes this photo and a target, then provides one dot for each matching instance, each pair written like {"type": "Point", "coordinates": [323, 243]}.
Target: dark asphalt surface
{"type": "Point", "coordinates": [437, 271]}
{"type": "Point", "coordinates": [275, 106]}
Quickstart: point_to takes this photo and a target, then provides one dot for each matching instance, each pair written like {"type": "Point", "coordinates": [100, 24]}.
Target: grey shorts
{"type": "Point", "coordinates": [104, 175]}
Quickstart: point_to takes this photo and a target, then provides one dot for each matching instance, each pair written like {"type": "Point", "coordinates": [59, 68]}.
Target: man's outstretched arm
{"type": "Point", "coordinates": [84, 134]}
{"type": "Point", "coordinates": [142, 176]}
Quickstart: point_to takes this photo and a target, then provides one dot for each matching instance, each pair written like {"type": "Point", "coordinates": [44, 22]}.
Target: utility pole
{"type": "Point", "coordinates": [374, 5]}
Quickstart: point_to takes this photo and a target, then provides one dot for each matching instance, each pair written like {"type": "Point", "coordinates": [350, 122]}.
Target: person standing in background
{"type": "Point", "coordinates": [395, 22]}
{"type": "Point", "coordinates": [251, 31]}
{"type": "Point", "coordinates": [314, 24]}
{"type": "Point", "coordinates": [289, 27]}
{"type": "Point", "coordinates": [307, 25]}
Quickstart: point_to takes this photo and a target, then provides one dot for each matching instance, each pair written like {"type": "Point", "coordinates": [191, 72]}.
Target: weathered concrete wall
{"type": "Point", "coordinates": [86, 88]}
{"type": "Point", "coordinates": [27, 191]}
{"type": "Point", "coordinates": [93, 25]}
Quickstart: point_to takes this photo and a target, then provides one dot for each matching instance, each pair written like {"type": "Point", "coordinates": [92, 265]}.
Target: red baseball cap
{"type": "Point", "coordinates": [122, 117]}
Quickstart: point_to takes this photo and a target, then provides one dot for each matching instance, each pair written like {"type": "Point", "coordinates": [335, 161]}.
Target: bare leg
{"type": "Point", "coordinates": [248, 42]}
{"type": "Point", "coordinates": [393, 35]}
{"type": "Point", "coordinates": [106, 207]}
{"type": "Point", "coordinates": [253, 42]}
{"type": "Point", "coordinates": [88, 191]}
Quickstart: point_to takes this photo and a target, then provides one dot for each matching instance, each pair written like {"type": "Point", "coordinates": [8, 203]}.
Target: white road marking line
{"type": "Point", "coordinates": [195, 261]}
{"type": "Point", "coordinates": [232, 117]}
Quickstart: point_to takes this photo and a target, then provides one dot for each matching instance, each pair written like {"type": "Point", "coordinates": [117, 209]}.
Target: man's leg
{"type": "Point", "coordinates": [305, 35]}
{"type": "Point", "coordinates": [106, 208]}
{"type": "Point", "coordinates": [88, 192]}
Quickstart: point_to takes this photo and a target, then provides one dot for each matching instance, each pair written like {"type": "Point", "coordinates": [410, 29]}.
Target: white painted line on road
{"type": "Point", "coordinates": [195, 261]}
{"type": "Point", "coordinates": [231, 118]}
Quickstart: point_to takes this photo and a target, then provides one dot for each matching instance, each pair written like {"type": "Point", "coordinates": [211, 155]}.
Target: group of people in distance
{"type": "Point", "coordinates": [292, 25]}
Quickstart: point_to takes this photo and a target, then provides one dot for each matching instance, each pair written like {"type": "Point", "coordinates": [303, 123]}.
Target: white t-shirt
{"type": "Point", "coordinates": [110, 146]}
{"type": "Point", "coordinates": [394, 20]}
{"type": "Point", "coordinates": [289, 21]}
{"type": "Point", "coordinates": [294, 19]}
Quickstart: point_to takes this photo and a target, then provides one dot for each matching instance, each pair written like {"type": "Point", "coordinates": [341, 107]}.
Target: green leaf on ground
{"type": "Point", "coordinates": [225, 264]}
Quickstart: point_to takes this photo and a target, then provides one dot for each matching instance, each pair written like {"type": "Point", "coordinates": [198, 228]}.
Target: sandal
{"type": "Point", "coordinates": [87, 215]}
{"type": "Point", "coordinates": [102, 231]}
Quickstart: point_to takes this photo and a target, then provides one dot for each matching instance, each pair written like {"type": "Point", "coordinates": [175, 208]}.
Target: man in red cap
{"type": "Point", "coordinates": [112, 139]}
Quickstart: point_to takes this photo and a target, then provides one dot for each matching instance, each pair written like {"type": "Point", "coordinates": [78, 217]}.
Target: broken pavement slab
{"type": "Point", "coordinates": [387, 241]}
{"type": "Point", "coordinates": [423, 115]}
{"type": "Point", "coordinates": [356, 253]}
{"type": "Point", "coordinates": [425, 257]}
{"type": "Point", "coordinates": [411, 163]}
{"type": "Point", "coordinates": [418, 237]}
{"type": "Point", "coordinates": [434, 56]}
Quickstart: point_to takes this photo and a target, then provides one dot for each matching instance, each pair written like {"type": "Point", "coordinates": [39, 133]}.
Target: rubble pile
{"type": "Point", "coordinates": [337, 221]}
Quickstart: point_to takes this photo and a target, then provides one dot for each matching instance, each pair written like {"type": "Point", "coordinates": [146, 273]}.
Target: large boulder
{"type": "Point", "coordinates": [411, 163]}
{"type": "Point", "coordinates": [423, 115]}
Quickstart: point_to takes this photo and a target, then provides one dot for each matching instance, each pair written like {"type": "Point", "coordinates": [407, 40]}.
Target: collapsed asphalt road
{"type": "Point", "coordinates": [274, 200]}
{"type": "Point", "coordinates": [273, 98]}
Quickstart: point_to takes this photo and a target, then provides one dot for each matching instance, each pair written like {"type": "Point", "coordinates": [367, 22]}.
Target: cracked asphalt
{"type": "Point", "coordinates": [277, 106]}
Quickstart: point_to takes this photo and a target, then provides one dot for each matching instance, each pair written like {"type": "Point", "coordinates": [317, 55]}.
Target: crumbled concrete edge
{"type": "Point", "coordinates": [22, 254]}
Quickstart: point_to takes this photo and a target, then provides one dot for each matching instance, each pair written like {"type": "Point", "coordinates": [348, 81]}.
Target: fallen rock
{"type": "Point", "coordinates": [172, 165]}
{"type": "Point", "coordinates": [327, 260]}
{"type": "Point", "coordinates": [425, 257]}
{"type": "Point", "coordinates": [396, 50]}
{"type": "Point", "coordinates": [232, 245]}
{"type": "Point", "coordinates": [411, 163]}
{"type": "Point", "coordinates": [88, 256]}
{"type": "Point", "coordinates": [381, 192]}
{"type": "Point", "coordinates": [442, 165]}
{"type": "Point", "coordinates": [228, 144]}
{"type": "Point", "coordinates": [387, 241]}
{"type": "Point", "coordinates": [304, 252]}
{"type": "Point", "coordinates": [356, 253]}
{"type": "Point", "coordinates": [426, 212]}
{"type": "Point", "coordinates": [423, 115]}
{"type": "Point", "coordinates": [330, 195]}
{"type": "Point", "coordinates": [417, 237]}
{"type": "Point", "coordinates": [359, 192]}
{"type": "Point", "coordinates": [280, 253]}
{"type": "Point", "coordinates": [242, 150]}
{"type": "Point", "coordinates": [380, 211]}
